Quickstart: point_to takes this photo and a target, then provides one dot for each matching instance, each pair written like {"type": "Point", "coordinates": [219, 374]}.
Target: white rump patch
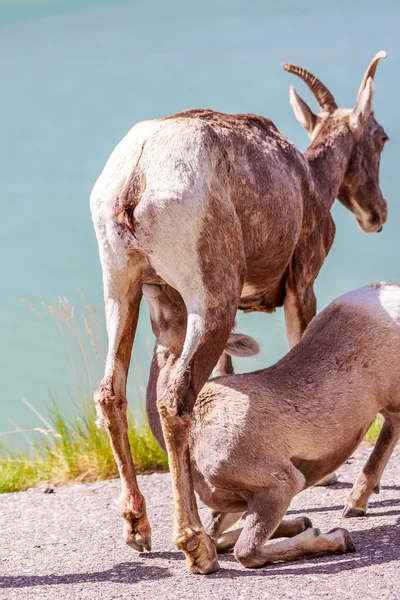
{"type": "Point", "coordinates": [390, 301]}
{"type": "Point", "coordinates": [382, 300]}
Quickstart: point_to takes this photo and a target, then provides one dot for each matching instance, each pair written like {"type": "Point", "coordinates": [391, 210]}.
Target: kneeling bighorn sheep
{"type": "Point", "coordinates": [258, 439]}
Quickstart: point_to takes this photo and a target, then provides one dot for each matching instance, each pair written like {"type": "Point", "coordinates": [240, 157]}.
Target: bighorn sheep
{"type": "Point", "coordinates": [227, 212]}
{"type": "Point", "coordinates": [258, 439]}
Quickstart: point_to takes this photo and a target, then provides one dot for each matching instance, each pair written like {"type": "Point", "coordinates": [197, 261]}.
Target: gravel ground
{"type": "Point", "coordinates": [68, 545]}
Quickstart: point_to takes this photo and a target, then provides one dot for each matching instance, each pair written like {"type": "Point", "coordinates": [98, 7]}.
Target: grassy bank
{"type": "Point", "coordinates": [68, 446]}
{"type": "Point", "coordinates": [75, 449]}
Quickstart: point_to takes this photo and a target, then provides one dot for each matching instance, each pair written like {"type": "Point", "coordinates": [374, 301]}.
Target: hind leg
{"type": "Point", "coordinates": [122, 295]}
{"type": "Point", "coordinates": [205, 265]}
{"type": "Point", "coordinates": [185, 380]}
{"type": "Point", "coordinates": [122, 311]}
{"type": "Point", "coordinates": [368, 480]}
{"type": "Point", "coordinates": [171, 425]}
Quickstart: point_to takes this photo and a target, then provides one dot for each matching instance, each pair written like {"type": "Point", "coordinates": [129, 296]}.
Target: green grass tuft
{"type": "Point", "coordinates": [76, 450]}
{"type": "Point", "coordinates": [71, 447]}
{"type": "Point", "coordinates": [19, 473]}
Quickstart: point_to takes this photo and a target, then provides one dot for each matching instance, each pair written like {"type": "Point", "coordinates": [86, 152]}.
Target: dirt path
{"type": "Point", "coordinates": [68, 545]}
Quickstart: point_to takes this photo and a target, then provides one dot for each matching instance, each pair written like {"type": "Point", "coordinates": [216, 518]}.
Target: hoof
{"type": "Point", "coordinates": [139, 543]}
{"type": "Point", "coordinates": [348, 542]}
{"type": "Point", "coordinates": [350, 512]}
{"type": "Point", "coordinates": [328, 480]}
{"type": "Point", "coordinates": [200, 551]}
{"type": "Point", "coordinates": [350, 546]}
{"type": "Point", "coordinates": [136, 531]}
{"type": "Point", "coordinates": [214, 566]}
{"type": "Point", "coordinates": [307, 523]}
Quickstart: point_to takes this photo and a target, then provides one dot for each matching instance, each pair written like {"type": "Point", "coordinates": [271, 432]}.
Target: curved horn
{"type": "Point", "coordinates": [370, 72]}
{"type": "Point", "coordinates": [326, 101]}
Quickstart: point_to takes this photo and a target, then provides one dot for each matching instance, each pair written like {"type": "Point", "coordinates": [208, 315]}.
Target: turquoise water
{"type": "Point", "coordinates": [76, 76]}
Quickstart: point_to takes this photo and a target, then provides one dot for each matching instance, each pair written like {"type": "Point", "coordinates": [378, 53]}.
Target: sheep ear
{"type": "Point", "coordinates": [241, 345]}
{"type": "Point", "coordinates": [302, 111]}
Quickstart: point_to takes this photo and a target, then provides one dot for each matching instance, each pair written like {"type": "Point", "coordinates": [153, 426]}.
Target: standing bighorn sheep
{"type": "Point", "coordinates": [227, 212]}
{"type": "Point", "coordinates": [258, 439]}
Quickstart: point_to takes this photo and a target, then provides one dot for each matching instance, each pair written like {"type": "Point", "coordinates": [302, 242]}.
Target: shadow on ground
{"type": "Point", "coordinates": [384, 539]}
{"type": "Point", "coordinates": [375, 545]}
{"type": "Point", "coordinates": [127, 572]}
{"type": "Point", "coordinates": [339, 507]}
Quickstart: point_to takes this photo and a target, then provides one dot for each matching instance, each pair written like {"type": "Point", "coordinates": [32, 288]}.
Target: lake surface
{"type": "Point", "coordinates": [77, 75]}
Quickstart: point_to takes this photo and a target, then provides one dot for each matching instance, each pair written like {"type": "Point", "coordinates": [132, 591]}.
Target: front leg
{"type": "Point", "coordinates": [266, 510]}
{"type": "Point", "coordinates": [300, 308]}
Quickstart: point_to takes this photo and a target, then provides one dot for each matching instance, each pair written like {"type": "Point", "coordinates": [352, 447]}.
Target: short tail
{"type": "Point", "coordinates": [241, 345]}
